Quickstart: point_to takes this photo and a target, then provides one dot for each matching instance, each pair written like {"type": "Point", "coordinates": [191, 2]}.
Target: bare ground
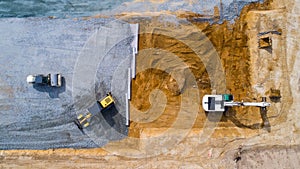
{"type": "Point", "coordinates": [241, 139]}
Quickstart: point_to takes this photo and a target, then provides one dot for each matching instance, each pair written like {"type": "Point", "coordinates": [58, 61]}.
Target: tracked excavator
{"type": "Point", "coordinates": [220, 103]}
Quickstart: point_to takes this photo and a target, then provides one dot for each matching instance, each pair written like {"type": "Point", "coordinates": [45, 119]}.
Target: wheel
{"type": "Point", "coordinates": [86, 124]}
{"type": "Point", "coordinates": [79, 116]}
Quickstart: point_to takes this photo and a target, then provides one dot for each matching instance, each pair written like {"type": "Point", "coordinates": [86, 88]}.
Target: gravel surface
{"type": "Point", "coordinates": [42, 117]}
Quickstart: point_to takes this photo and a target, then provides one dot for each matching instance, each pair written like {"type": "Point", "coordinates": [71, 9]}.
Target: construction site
{"type": "Point", "coordinates": [142, 89]}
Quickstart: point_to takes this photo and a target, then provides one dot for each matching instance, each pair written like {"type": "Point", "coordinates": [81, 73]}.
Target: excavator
{"type": "Point", "coordinates": [220, 103]}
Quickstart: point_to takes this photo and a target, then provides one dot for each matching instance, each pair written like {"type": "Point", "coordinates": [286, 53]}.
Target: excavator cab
{"type": "Point", "coordinates": [227, 97]}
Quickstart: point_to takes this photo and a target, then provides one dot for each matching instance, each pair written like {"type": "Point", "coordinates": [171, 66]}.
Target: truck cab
{"type": "Point", "coordinates": [107, 101]}
{"type": "Point", "coordinates": [53, 80]}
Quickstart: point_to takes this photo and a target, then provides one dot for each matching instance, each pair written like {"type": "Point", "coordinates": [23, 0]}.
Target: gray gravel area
{"type": "Point", "coordinates": [42, 117]}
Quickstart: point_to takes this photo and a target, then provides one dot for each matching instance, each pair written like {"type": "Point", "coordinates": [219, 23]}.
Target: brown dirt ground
{"type": "Point", "coordinates": [231, 43]}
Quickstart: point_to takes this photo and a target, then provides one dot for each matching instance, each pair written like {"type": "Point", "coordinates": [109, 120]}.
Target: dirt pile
{"type": "Point", "coordinates": [231, 43]}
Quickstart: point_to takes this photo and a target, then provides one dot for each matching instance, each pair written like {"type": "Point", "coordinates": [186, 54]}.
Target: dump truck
{"type": "Point", "coordinates": [82, 120]}
{"type": "Point", "coordinates": [53, 80]}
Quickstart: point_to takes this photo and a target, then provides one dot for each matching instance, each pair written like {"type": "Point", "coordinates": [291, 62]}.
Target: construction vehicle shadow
{"type": "Point", "coordinates": [52, 91]}
{"type": "Point", "coordinates": [114, 120]}
{"type": "Point", "coordinates": [269, 50]}
{"type": "Point", "coordinates": [266, 123]}
{"type": "Point", "coordinates": [109, 114]}
{"type": "Point", "coordinates": [230, 114]}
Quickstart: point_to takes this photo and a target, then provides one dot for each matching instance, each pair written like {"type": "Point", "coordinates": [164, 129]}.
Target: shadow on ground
{"type": "Point", "coordinates": [52, 91]}
{"type": "Point", "coordinates": [109, 115]}
{"type": "Point", "coordinates": [230, 114]}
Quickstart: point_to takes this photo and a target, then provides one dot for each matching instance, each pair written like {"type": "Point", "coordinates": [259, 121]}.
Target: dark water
{"type": "Point", "coordinates": [229, 9]}
{"type": "Point", "coordinates": [57, 8]}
